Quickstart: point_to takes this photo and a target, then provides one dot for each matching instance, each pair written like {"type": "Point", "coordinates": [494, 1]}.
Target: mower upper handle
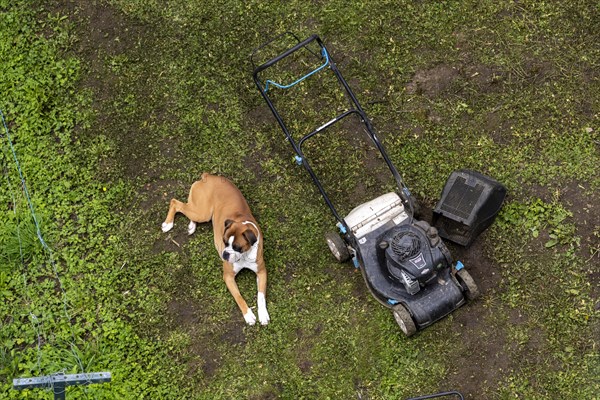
{"type": "Point", "coordinates": [355, 108]}
{"type": "Point", "coordinates": [285, 54]}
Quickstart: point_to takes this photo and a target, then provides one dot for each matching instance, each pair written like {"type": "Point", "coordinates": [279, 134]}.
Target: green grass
{"type": "Point", "coordinates": [117, 106]}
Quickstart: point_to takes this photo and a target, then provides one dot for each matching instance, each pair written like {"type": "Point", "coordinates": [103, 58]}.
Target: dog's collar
{"type": "Point", "coordinates": [256, 227]}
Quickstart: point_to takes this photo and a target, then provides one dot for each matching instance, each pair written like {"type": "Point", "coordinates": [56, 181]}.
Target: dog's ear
{"type": "Point", "coordinates": [228, 223]}
{"type": "Point", "coordinates": [250, 236]}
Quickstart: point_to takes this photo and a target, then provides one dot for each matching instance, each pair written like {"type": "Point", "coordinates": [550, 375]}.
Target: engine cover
{"type": "Point", "coordinates": [414, 253]}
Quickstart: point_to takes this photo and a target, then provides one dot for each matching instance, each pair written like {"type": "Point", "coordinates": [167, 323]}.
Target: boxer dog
{"type": "Point", "coordinates": [237, 237]}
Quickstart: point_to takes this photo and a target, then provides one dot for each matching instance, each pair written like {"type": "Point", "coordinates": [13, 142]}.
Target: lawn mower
{"type": "Point", "coordinates": [404, 262]}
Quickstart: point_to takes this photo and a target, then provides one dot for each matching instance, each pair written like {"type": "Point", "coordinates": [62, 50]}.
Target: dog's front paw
{"type": "Point", "coordinates": [263, 316]}
{"type": "Point", "coordinates": [249, 317]}
{"type": "Point", "coordinates": [167, 226]}
{"type": "Point", "coordinates": [191, 227]}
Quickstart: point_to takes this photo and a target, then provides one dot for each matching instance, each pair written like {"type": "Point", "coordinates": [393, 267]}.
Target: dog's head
{"type": "Point", "coordinates": [239, 238]}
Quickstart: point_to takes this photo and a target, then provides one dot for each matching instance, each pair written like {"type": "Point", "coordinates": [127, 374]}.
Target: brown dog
{"type": "Point", "coordinates": [237, 236]}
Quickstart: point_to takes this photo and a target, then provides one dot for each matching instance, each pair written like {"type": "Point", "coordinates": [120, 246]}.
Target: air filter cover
{"type": "Point", "coordinates": [470, 201]}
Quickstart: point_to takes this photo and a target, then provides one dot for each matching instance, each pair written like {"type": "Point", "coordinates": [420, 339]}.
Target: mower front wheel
{"type": "Point", "coordinates": [337, 246]}
{"type": "Point", "coordinates": [404, 320]}
{"type": "Point", "coordinates": [468, 284]}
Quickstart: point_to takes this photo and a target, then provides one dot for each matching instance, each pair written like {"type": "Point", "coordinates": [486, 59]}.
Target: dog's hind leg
{"type": "Point", "coordinates": [174, 207]}
{"type": "Point", "coordinates": [191, 227]}
{"type": "Point", "coordinates": [197, 202]}
{"type": "Point", "coordinates": [177, 206]}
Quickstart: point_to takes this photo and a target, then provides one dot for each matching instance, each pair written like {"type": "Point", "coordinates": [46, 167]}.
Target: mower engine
{"type": "Point", "coordinates": [414, 253]}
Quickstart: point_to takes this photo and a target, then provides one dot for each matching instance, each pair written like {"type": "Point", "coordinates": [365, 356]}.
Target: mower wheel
{"type": "Point", "coordinates": [337, 246]}
{"type": "Point", "coordinates": [468, 284]}
{"type": "Point", "coordinates": [404, 320]}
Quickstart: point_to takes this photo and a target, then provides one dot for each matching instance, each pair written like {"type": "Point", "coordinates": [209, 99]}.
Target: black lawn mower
{"type": "Point", "coordinates": [404, 261]}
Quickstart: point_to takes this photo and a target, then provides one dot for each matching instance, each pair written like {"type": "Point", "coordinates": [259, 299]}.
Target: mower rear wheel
{"type": "Point", "coordinates": [337, 246]}
{"type": "Point", "coordinates": [468, 284]}
{"type": "Point", "coordinates": [404, 320]}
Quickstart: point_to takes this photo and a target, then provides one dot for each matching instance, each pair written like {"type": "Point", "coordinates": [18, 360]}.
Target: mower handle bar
{"type": "Point", "coordinates": [297, 147]}
{"type": "Point", "coordinates": [444, 394]}
{"type": "Point", "coordinates": [285, 54]}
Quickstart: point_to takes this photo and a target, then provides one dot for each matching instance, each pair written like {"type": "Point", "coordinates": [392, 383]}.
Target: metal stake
{"type": "Point", "coordinates": [59, 382]}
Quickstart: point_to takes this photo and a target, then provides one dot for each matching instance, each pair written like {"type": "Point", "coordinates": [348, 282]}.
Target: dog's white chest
{"type": "Point", "coordinates": [248, 260]}
{"type": "Point", "coordinates": [241, 264]}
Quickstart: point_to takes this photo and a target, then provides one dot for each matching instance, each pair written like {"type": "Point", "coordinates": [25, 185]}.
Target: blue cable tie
{"type": "Point", "coordinates": [459, 265]}
{"type": "Point", "coordinates": [392, 302]}
{"type": "Point", "coordinates": [281, 86]}
{"type": "Point", "coordinates": [298, 160]}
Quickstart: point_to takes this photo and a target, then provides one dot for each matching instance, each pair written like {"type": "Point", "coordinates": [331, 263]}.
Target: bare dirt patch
{"type": "Point", "coordinates": [108, 41]}
{"type": "Point", "coordinates": [485, 361]}
{"type": "Point", "coordinates": [434, 81]}
{"type": "Point", "coordinates": [102, 32]}
{"type": "Point", "coordinates": [586, 217]}
{"type": "Point", "coordinates": [443, 79]}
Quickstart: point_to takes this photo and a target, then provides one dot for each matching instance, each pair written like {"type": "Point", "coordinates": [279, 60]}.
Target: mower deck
{"type": "Point", "coordinates": [434, 301]}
